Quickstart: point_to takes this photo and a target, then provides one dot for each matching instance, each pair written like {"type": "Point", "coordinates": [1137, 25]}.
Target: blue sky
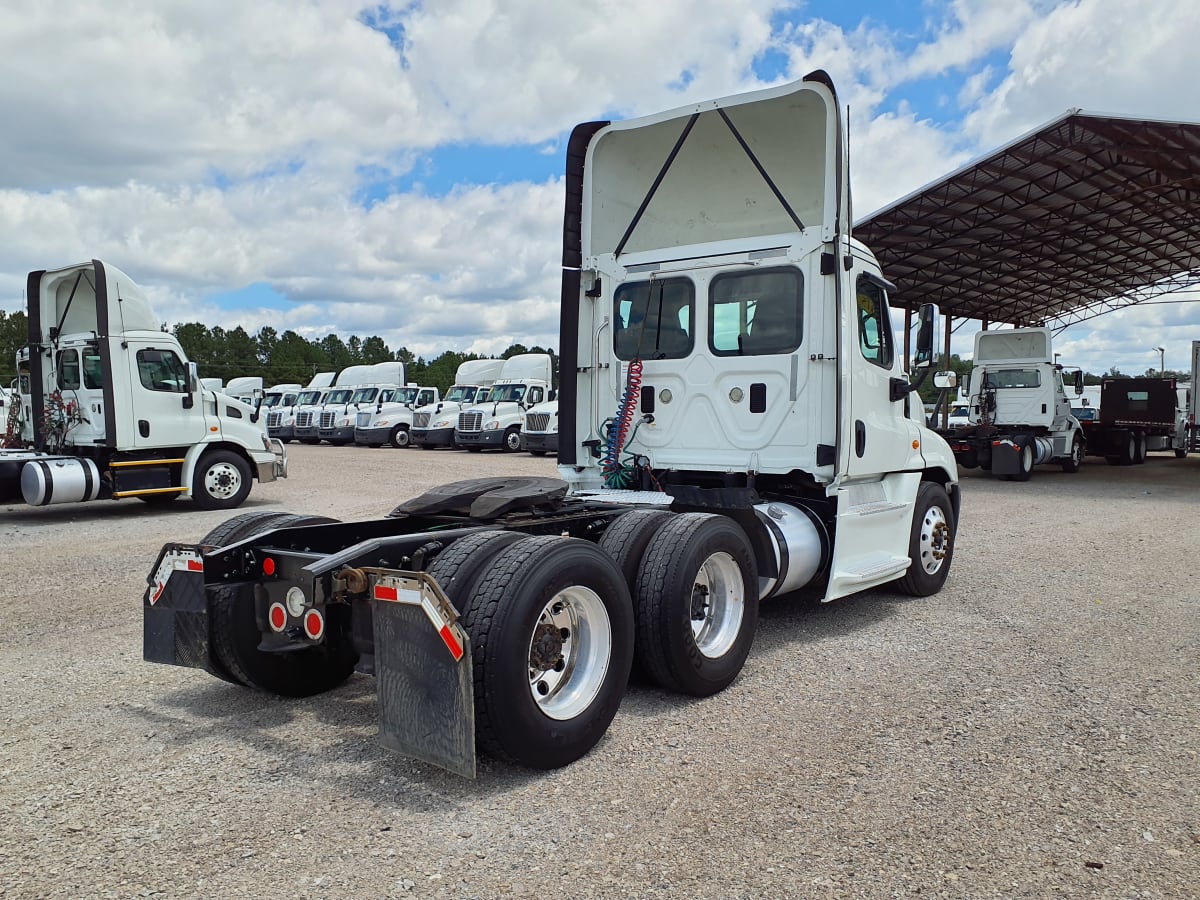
{"type": "Point", "coordinates": [394, 169]}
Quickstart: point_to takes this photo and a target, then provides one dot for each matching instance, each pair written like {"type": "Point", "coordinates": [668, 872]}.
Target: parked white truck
{"type": "Point", "coordinates": [389, 422]}
{"type": "Point", "coordinates": [281, 419]}
{"type": "Point", "coordinates": [1020, 413]}
{"type": "Point", "coordinates": [735, 422]}
{"type": "Point", "coordinates": [433, 425]}
{"type": "Point", "coordinates": [308, 417]}
{"type": "Point", "coordinates": [540, 433]}
{"type": "Point", "coordinates": [113, 409]}
{"type": "Point", "coordinates": [247, 388]}
{"type": "Point", "coordinates": [524, 381]}
{"type": "Point", "coordinates": [339, 419]}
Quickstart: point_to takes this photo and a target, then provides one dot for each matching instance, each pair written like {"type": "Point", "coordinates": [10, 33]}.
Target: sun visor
{"type": "Point", "coordinates": [756, 164]}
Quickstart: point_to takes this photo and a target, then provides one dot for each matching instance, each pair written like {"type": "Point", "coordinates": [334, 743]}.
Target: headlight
{"type": "Point", "coordinates": [492, 425]}
{"type": "Point", "coordinates": [287, 420]}
{"type": "Point", "coordinates": [442, 423]}
{"type": "Point", "coordinates": [345, 421]}
{"type": "Point", "coordinates": [381, 423]}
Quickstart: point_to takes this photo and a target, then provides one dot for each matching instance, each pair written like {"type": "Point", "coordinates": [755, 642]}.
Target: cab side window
{"type": "Point", "coordinates": [161, 370]}
{"type": "Point", "coordinates": [874, 324]}
{"type": "Point", "coordinates": [68, 370]}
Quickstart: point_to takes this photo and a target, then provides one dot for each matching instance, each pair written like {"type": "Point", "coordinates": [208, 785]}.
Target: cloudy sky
{"type": "Point", "coordinates": [395, 169]}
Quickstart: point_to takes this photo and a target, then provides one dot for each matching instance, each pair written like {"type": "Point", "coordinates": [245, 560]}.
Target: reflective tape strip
{"type": "Point", "coordinates": [397, 590]}
{"type": "Point", "coordinates": [174, 561]}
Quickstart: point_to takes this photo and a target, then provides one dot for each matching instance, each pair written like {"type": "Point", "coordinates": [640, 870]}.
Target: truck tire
{"type": "Point", "coordinates": [1025, 470]}
{"type": "Point", "coordinates": [230, 532]}
{"type": "Point", "coordinates": [1180, 453]}
{"type": "Point", "coordinates": [399, 436]}
{"type": "Point", "coordinates": [551, 628]}
{"type": "Point", "coordinates": [697, 604]}
{"type": "Point", "coordinates": [236, 635]}
{"type": "Point", "coordinates": [221, 481]}
{"type": "Point", "coordinates": [463, 563]}
{"type": "Point", "coordinates": [1075, 460]}
{"type": "Point", "coordinates": [1139, 456]}
{"type": "Point", "coordinates": [512, 439]}
{"type": "Point", "coordinates": [930, 543]}
{"type": "Point", "coordinates": [627, 538]}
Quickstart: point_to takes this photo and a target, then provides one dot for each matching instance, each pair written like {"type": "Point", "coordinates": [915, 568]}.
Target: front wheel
{"type": "Point", "coordinates": [551, 628]}
{"type": "Point", "coordinates": [512, 439]}
{"type": "Point", "coordinates": [399, 436]}
{"type": "Point", "coordinates": [221, 481]}
{"type": "Point", "coordinates": [1075, 460]}
{"type": "Point", "coordinates": [697, 604]}
{"type": "Point", "coordinates": [930, 543]}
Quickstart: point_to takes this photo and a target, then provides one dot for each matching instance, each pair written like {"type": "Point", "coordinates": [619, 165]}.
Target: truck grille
{"type": "Point", "coordinates": [327, 419]}
{"type": "Point", "coordinates": [537, 422]}
{"type": "Point", "coordinates": [420, 420]}
{"type": "Point", "coordinates": [364, 419]}
{"type": "Point", "coordinates": [304, 420]}
{"type": "Point", "coordinates": [273, 419]}
{"type": "Point", "coordinates": [470, 421]}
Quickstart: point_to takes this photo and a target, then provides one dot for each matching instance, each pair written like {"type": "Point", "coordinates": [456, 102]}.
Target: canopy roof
{"type": "Point", "coordinates": [1087, 214]}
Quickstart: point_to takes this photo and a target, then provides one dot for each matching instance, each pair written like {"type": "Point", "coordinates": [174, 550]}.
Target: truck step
{"type": "Point", "coordinates": [874, 567]}
{"type": "Point", "coordinates": [875, 507]}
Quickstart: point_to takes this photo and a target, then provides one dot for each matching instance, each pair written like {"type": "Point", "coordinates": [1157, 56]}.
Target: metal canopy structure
{"type": "Point", "coordinates": [1087, 214]}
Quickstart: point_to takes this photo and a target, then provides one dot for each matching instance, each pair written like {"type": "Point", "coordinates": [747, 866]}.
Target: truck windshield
{"type": "Point", "coordinates": [461, 393]}
{"type": "Point", "coordinates": [1012, 378]}
{"type": "Point", "coordinates": [512, 393]}
{"type": "Point", "coordinates": [364, 395]}
{"type": "Point", "coordinates": [272, 400]}
{"type": "Point", "coordinates": [405, 395]}
{"type": "Point", "coordinates": [654, 319]}
{"type": "Point", "coordinates": [307, 398]}
{"type": "Point", "coordinates": [342, 396]}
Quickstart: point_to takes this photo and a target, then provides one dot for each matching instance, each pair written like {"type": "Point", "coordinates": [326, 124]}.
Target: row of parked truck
{"type": "Point", "coordinates": [494, 403]}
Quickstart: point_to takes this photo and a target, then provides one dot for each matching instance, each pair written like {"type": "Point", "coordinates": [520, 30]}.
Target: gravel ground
{"type": "Point", "coordinates": [1032, 730]}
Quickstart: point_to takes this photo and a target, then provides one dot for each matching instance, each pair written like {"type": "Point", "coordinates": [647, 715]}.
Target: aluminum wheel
{"type": "Point", "coordinates": [935, 539]}
{"type": "Point", "coordinates": [569, 652]}
{"type": "Point", "coordinates": [223, 480]}
{"type": "Point", "coordinates": [717, 605]}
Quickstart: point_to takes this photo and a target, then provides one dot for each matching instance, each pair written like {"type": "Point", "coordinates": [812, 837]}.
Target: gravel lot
{"type": "Point", "coordinates": [1031, 730]}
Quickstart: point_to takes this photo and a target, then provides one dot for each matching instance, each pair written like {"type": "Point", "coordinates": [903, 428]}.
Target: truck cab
{"type": "Point", "coordinates": [540, 434]}
{"type": "Point", "coordinates": [114, 402]}
{"type": "Point", "coordinates": [433, 425]}
{"type": "Point", "coordinates": [281, 417]}
{"type": "Point", "coordinates": [389, 421]}
{"type": "Point", "coordinates": [524, 382]}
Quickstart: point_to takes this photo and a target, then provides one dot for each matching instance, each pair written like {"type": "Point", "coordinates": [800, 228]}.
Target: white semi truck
{"type": "Point", "coordinates": [539, 435]}
{"type": "Point", "coordinates": [112, 408]}
{"type": "Point", "coordinates": [1018, 406]}
{"type": "Point", "coordinates": [281, 419]}
{"type": "Point", "coordinates": [735, 422]}
{"type": "Point", "coordinates": [308, 417]}
{"type": "Point", "coordinates": [433, 425]}
{"type": "Point", "coordinates": [524, 381]}
{"type": "Point", "coordinates": [339, 419]}
{"type": "Point", "coordinates": [389, 422]}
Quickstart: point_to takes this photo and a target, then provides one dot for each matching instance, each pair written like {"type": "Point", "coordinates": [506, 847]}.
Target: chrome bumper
{"type": "Point", "coordinates": [275, 467]}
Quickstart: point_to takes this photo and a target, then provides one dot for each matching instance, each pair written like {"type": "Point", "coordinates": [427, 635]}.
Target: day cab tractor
{"type": "Point", "coordinates": [735, 423]}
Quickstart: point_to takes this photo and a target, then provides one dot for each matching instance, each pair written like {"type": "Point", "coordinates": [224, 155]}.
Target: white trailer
{"type": "Point", "coordinates": [735, 422]}
{"type": "Point", "coordinates": [112, 408]}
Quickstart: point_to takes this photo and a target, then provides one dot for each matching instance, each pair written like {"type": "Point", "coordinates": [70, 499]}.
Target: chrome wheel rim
{"type": "Point", "coordinates": [400, 437]}
{"type": "Point", "coordinates": [934, 543]}
{"type": "Point", "coordinates": [512, 440]}
{"type": "Point", "coordinates": [223, 480]}
{"type": "Point", "coordinates": [718, 605]}
{"type": "Point", "coordinates": [569, 651]}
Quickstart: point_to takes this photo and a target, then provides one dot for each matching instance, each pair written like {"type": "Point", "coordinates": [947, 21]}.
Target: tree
{"type": "Point", "coordinates": [374, 350]}
{"type": "Point", "coordinates": [14, 334]}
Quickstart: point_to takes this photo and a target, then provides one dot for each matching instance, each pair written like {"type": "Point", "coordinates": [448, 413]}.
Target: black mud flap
{"type": "Point", "coordinates": [1006, 455]}
{"type": "Point", "coordinates": [175, 611]}
{"type": "Point", "coordinates": [423, 676]}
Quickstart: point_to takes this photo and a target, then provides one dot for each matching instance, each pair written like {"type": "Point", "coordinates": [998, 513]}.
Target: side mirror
{"type": "Point", "coordinates": [1079, 382]}
{"type": "Point", "coordinates": [945, 380]}
{"type": "Point", "coordinates": [193, 385]}
{"type": "Point", "coordinates": [966, 386]}
{"type": "Point", "coordinates": [926, 357]}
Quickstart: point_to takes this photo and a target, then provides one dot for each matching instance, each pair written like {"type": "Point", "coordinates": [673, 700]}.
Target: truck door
{"type": "Point", "coordinates": [876, 432]}
{"type": "Point", "coordinates": [158, 383]}
{"type": "Point", "coordinates": [80, 379]}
